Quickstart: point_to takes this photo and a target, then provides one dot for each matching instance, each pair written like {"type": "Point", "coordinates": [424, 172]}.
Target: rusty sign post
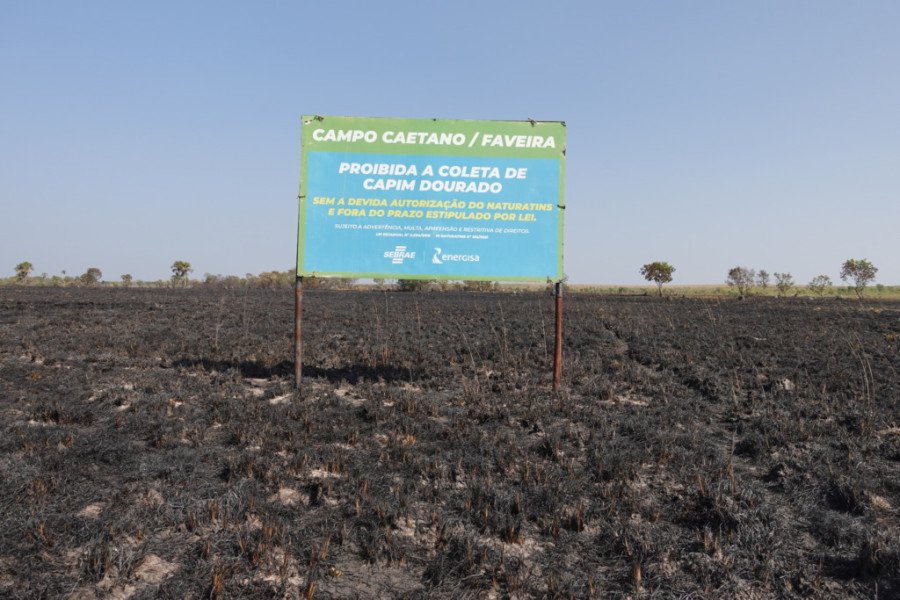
{"type": "Point", "coordinates": [298, 332]}
{"type": "Point", "coordinates": [557, 352]}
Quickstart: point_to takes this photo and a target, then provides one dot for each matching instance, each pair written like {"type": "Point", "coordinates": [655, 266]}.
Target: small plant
{"type": "Point", "coordinates": [180, 271]}
{"type": "Point", "coordinates": [860, 271]}
{"type": "Point", "coordinates": [741, 278]}
{"type": "Point", "coordinates": [762, 279]}
{"type": "Point", "coordinates": [23, 269]}
{"type": "Point", "coordinates": [126, 279]}
{"type": "Point", "coordinates": [820, 284]}
{"type": "Point", "coordinates": [92, 276]}
{"type": "Point", "coordinates": [783, 283]}
{"type": "Point", "coordinates": [659, 273]}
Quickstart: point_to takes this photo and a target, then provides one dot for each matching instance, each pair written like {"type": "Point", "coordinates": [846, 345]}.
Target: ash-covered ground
{"type": "Point", "coordinates": [152, 446]}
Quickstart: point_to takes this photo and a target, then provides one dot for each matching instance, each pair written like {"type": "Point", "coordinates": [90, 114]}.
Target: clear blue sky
{"type": "Point", "coordinates": [709, 134]}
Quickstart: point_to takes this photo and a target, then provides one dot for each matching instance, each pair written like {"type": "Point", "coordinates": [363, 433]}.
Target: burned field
{"type": "Point", "coordinates": [152, 446]}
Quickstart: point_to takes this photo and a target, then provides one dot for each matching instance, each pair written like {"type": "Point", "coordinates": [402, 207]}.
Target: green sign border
{"type": "Point", "coordinates": [309, 123]}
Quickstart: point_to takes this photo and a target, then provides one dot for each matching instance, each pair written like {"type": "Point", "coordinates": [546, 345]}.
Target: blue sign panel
{"type": "Point", "coordinates": [489, 212]}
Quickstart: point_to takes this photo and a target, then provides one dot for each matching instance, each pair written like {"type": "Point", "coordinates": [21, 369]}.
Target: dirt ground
{"type": "Point", "coordinates": [152, 446]}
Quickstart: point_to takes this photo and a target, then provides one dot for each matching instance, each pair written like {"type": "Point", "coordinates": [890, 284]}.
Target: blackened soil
{"type": "Point", "coordinates": [152, 446]}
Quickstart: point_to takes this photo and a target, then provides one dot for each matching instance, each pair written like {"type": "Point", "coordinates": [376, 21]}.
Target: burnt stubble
{"type": "Point", "coordinates": [152, 446]}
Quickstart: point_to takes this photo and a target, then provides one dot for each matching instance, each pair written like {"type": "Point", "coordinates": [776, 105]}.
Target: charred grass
{"type": "Point", "coordinates": [153, 446]}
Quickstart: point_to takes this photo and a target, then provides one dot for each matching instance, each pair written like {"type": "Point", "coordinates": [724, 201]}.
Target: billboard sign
{"type": "Point", "coordinates": [431, 199]}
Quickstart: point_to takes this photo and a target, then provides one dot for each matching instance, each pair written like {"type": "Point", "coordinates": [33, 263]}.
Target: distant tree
{"type": "Point", "coordinates": [783, 283]}
{"type": "Point", "coordinates": [819, 284]}
{"type": "Point", "coordinates": [275, 279]}
{"type": "Point", "coordinates": [91, 276]}
{"type": "Point", "coordinates": [659, 273]}
{"type": "Point", "coordinates": [268, 279]}
{"type": "Point", "coordinates": [762, 279]}
{"type": "Point", "coordinates": [180, 270]}
{"type": "Point", "coordinates": [741, 278]}
{"type": "Point", "coordinates": [861, 271]}
{"type": "Point", "coordinates": [126, 279]}
{"type": "Point", "coordinates": [23, 269]}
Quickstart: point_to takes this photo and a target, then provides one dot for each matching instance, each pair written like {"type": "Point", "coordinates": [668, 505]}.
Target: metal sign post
{"type": "Point", "coordinates": [557, 353]}
{"type": "Point", "coordinates": [298, 333]}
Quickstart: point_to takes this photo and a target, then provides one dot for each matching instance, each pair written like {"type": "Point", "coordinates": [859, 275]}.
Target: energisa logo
{"type": "Point", "coordinates": [440, 258]}
{"type": "Point", "coordinates": [399, 254]}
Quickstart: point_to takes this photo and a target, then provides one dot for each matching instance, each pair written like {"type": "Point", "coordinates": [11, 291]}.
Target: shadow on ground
{"type": "Point", "coordinates": [352, 374]}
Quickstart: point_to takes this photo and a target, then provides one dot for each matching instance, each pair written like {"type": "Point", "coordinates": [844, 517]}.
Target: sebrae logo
{"type": "Point", "coordinates": [440, 258]}
{"type": "Point", "coordinates": [399, 254]}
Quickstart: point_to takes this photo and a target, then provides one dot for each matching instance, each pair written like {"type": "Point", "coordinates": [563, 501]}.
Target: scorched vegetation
{"type": "Point", "coordinates": [152, 446]}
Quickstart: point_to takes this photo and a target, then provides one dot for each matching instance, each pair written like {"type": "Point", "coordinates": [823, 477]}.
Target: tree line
{"type": "Point", "coordinates": [859, 272]}
{"type": "Point", "coordinates": [181, 271]}
{"type": "Point", "coordinates": [94, 276]}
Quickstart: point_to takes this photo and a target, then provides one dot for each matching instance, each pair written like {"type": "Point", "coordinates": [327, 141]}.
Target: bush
{"type": "Point", "coordinates": [819, 284]}
{"type": "Point", "coordinates": [92, 276]}
{"type": "Point", "coordinates": [413, 285]}
{"type": "Point", "coordinates": [741, 278]}
{"type": "Point", "coordinates": [23, 269]}
{"type": "Point", "coordinates": [479, 286]}
{"type": "Point", "coordinates": [783, 283]}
